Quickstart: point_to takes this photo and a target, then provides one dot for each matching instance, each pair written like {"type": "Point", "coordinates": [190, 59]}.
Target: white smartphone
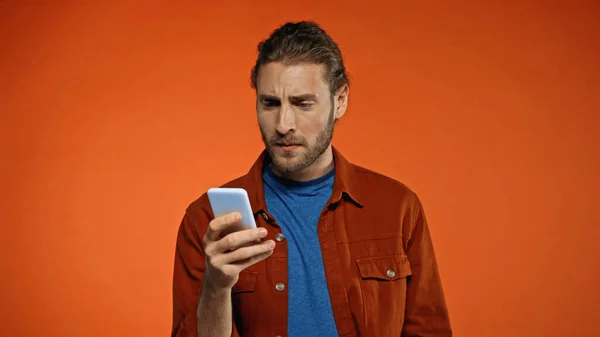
{"type": "Point", "coordinates": [228, 200]}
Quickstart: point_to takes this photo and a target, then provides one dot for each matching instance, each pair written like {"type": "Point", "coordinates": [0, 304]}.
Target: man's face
{"type": "Point", "coordinates": [296, 114]}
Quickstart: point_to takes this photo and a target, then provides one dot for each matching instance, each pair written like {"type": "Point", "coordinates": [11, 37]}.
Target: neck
{"type": "Point", "coordinates": [320, 167]}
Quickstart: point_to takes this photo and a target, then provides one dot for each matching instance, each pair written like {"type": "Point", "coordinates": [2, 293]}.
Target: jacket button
{"type": "Point", "coordinates": [279, 237]}
{"type": "Point", "coordinates": [390, 273]}
{"type": "Point", "coordinates": [279, 286]}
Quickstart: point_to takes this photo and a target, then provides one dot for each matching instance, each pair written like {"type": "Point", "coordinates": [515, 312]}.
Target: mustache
{"type": "Point", "coordinates": [287, 140]}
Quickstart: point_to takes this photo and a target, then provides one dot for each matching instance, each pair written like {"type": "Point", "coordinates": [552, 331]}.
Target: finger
{"type": "Point", "coordinates": [218, 224]}
{"type": "Point", "coordinates": [237, 239]}
{"type": "Point", "coordinates": [239, 255]}
{"type": "Point", "coordinates": [253, 260]}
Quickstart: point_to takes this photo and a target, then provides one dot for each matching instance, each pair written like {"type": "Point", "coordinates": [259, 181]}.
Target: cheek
{"type": "Point", "coordinates": [319, 120]}
{"type": "Point", "coordinates": [267, 125]}
{"type": "Point", "coordinates": [311, 126]}
{"type": "Point", "coordinates": [263, 121]}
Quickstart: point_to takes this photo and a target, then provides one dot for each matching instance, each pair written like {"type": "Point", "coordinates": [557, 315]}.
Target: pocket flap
{"type": "Point", "coordinates": [391, 267]}
{"type": "Point", "coordinates": [245, 283]}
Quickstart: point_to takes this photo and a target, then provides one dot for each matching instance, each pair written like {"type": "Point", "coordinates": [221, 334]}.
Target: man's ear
{"type": "Point", "coordinates": [341, 101]}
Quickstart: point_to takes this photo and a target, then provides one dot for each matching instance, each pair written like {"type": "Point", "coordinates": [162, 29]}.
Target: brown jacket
{"type": "Point", "coordinates": [380, 266]}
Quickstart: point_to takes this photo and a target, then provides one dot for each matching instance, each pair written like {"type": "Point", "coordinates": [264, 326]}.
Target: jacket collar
{"type": "Point", "coordinates": [345, 183]}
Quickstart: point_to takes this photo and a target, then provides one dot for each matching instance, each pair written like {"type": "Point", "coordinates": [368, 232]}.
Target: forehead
{"type": "Point", "coordinates": [277, 78]}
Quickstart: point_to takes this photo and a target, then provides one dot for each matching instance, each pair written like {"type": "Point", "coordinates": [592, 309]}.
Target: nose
{"type": "Point", "coordinates": [286, 120]}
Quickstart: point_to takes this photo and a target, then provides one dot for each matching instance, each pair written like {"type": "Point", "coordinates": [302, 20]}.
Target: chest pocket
{"type": "Point", "coordinates": [246, 282]}
{"type": "Point", "coordinates": [383, 286]}
{"type": "Point", "coordinates": [385, 268]}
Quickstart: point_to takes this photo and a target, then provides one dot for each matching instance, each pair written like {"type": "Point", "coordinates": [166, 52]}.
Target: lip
{"type": "Point", "coordinates": [290, 147]}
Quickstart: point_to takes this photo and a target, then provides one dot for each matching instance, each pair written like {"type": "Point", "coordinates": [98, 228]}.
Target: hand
{"type": "Point", "coordinates": [226, 257]}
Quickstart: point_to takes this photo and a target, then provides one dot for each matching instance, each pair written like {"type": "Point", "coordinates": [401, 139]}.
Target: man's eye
{"type": "Point", "coordinates": [304, 105]}
{"type": "Point", "coordinates": [270, 103]}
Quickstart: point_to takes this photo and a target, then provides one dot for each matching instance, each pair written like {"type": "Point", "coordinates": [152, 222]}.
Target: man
{"type": "Point", "coordinates": [344, 251]}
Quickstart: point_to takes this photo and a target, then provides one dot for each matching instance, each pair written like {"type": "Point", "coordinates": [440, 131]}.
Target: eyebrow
{"type": "Point", "coordinates": [303, 97]}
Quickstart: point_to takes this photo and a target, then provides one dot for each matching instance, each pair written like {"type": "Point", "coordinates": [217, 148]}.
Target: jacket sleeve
{"type": "Point", "coordinates": [426, 310]}
{"type": "Point", "coordinates": [189, 267]}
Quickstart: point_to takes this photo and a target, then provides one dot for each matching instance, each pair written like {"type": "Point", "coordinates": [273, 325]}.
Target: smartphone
{"type": "Point", "coordinates": [227, 200]}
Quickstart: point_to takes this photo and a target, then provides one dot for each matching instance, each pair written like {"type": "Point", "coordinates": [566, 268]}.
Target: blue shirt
{"type": "Point", "coordinates": [297, 207]}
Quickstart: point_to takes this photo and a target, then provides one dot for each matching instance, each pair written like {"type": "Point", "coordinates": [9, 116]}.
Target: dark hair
{"type": "Point", "coordinates": [303, 41]}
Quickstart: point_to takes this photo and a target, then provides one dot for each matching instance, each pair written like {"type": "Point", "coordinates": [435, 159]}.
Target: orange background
{"type": "Point", "coordinates": [116, 116]}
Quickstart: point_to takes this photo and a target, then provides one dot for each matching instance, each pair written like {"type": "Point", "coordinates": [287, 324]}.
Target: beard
{"type": "Point", "coordinates": [291, 161]}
